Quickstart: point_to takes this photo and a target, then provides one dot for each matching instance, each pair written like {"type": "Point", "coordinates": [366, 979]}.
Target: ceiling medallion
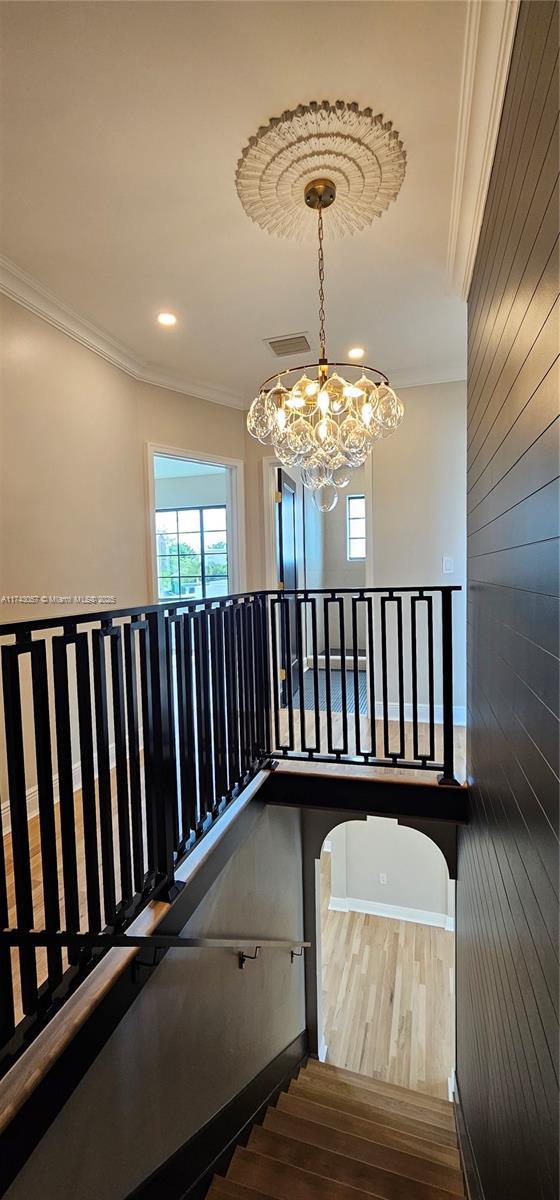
{"type": "Point", "coordinates": [361, 153]}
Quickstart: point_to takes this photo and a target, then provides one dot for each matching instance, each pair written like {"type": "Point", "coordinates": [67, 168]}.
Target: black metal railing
{"type": "Point", "coordinates": [127, 733]}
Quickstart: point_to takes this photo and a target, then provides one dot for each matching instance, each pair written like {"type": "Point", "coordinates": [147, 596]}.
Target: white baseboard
{"type": "Point", "coordinates": [451, 1086]}
{"type": "Point", "coordinates": [459, 713]}
{"type": "Point", "coordinates": [323, 1050]}
{"type": "Point", "coordinates": [418, 916]}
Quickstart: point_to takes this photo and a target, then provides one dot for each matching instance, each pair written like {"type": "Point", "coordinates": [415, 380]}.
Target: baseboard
{"type": "Point", "coordinates": [323, 1050]}
{"type": "Point", "coordinates": [188, 1173]}
{"type": "Point", "coordinates": [418, 916]}
{"type": "Point", "coordinates": [471, 1174]}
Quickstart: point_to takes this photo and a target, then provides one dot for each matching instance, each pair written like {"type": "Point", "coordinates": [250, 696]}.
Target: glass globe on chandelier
{"type": "Point", "coordinates": [323, 422]}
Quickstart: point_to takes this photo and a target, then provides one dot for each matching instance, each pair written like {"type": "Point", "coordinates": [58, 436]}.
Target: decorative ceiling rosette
{"type": "Point", "coordinates": [358, 150]}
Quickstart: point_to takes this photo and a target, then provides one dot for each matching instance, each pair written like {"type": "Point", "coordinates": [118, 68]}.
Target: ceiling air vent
{"type": "Point", "coordinates": [294, 343]}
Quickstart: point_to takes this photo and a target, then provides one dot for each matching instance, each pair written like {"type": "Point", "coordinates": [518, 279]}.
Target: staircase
{"type": "Point", "coordinates": [335, 1135]}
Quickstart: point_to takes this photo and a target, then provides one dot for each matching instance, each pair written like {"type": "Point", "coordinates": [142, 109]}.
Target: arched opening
{"type": "Point", "coordinates": [387, 955]}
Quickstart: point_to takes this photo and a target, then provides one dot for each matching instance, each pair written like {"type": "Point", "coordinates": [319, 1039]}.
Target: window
{"type": "Point", "coordinates": [192, 557]}
{"type": "Point", "coordinates": [356, 527]}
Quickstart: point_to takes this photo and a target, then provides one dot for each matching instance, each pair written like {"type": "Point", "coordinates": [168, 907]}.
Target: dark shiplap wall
{"type": "Point", "coordinates": [507, 967]}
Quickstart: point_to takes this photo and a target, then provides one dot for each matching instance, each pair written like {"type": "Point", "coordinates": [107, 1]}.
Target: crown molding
{"type": "Point", "coordinates": [425, 377]}
{"type": "Point", "coordinates": [33, 295]}
{"type": "Point", "coordinates": [489, 36]}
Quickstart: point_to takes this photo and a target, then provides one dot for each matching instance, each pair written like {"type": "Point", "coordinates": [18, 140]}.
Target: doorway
{"type": "Point", "coordinates": [387, 954]}
{"type": "Point", "coordinates": [195, 526]}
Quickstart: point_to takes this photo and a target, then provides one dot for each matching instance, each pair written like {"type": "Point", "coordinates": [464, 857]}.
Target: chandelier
{"type": "Point", "coordinates": [313, 416]}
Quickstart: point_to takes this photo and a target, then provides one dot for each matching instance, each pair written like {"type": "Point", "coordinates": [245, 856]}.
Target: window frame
{"type": "Point", "coordinates": [349, 538]}
{"type": "Point", "coordinates": [200, 509]}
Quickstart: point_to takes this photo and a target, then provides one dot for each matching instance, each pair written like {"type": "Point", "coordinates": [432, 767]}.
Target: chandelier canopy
{"type": "Point", "coordinates": [324, 422]}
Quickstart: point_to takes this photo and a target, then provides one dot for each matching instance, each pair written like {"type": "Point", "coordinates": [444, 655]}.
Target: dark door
{"type": "Point", "coordinates": [288, 575]}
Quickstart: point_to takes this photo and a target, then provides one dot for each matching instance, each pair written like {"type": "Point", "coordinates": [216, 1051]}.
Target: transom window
{"type": "Point", "coordinates": [192, 555]}
{"type": "Point", "coordinates": [356, 527]}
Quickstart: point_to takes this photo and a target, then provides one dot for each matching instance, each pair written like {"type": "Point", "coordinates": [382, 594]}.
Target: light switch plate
{"type": "Point", "coordinates": [447, 565]}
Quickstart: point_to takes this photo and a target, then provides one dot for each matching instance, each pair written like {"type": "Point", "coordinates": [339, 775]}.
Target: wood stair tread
{"type": "Point", "coordinates": [339, 1098]}
{"type": "Point", "coordinates": [447, 1180]}
{"type": "Point", "coordinates": [281, 1181]}
{"type": "Point", "coordinates": [340, 1168]}
{"type": "Point", "coordinates": [310, 1107]}
{"type": "Point", "coordinates": [422, 1099]}
{"type": "Point", "coordinates": [226, 1189]}
{"type": "Point", "coordinates": [398, 1104]}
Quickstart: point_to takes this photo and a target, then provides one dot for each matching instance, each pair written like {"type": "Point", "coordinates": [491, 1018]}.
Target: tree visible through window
{"type": "Point", "coordinates": [192, 558]}
{"type": "Point", "coordinates": [356, 527]}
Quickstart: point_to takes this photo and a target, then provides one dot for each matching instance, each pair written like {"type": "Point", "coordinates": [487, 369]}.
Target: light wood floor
{"type": "Point", "coordinates": [388, 996]}
{"type": "Point", "coordinates": [459, 741]}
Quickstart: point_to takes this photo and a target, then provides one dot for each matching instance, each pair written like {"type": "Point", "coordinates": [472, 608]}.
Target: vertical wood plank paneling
{"type": "Point", "coordinates": [507, 892]}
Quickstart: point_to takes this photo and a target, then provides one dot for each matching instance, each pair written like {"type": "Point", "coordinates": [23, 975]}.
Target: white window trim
{"type": "Point", "coordinates": [235, 504]}
{"type": "Point", "coordinates": [355, 557]}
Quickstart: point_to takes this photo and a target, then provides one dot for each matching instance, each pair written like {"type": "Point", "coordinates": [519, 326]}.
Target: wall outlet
{"type": "Point", "coordinates": [447, 565]}
{"type": "Point", "coordinates": [382, 877]}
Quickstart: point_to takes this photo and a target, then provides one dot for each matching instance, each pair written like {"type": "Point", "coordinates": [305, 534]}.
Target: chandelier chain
{"type": "Point", "coordinates": [322, 342]}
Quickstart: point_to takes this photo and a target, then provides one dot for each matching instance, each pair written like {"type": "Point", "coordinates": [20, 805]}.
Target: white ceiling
{"type": "Point", "coordinates": [123, 123]}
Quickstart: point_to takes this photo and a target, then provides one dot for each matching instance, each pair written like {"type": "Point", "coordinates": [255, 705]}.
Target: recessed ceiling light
{"type": "Point", "coordinates": [356, 352]}
{"type": "Point", "coordinates": [167, 319]}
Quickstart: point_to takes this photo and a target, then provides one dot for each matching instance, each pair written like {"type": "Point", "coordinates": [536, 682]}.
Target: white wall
{"type": "Point", "coordinates": [73, 472]}
{"type": "Point", "coordinates": [337, 570]}
{"type": "Point", "coordinates": [419, 503]}
{"type": "Point", "coordinates": [418, 885]}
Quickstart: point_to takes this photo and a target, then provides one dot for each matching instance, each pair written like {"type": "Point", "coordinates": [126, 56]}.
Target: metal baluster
{"type": "Point", "coordinates": [413, 654]}
{"type": "Point", "coordinates": [189, 788]}
{"type": "Point", "coordinates": [7, 1013]}
{"type": "Point", "coordinates": [447, 680]}
{"type": "Point", "coordinates": [344, 699]}
{"type": "Point", "coordinates": [170, 624]}
{"type": "Point", "coordinates": [85, 726]}
{"type": "Point", "coordinates": [66, 785]}
{"type": "Point", "coordinates": [150, 803]}
{"type": "Point", "coordinates": [164, 793]}
{"type": "Point", "coordinates": [135, 777]}
{"type": "Point", "coordinates": [218, 713]}
{"type": "Point", "coordinates": [231, 698]}
{"type": "Point", "coordinates": [398, 602]}
{"type": "Point", "coordinates": [430, 608]}
{"type": "Point", "coordinates": [104, 775]}
{"type": "Point", "coordinates": [328, 685]}
{"type": "Point", "coordinates": [266, 626]}
{"type": "Point", "coordinates": [43, 756]}
{"type": "Point", "coordinates": [355, 665]}
{"type": "Point", "coordinates": [275, 615]}
{"type": "Point", "coordinates": [204, 731]}
{"type": "Point", "coordinates": [19, 820]}
{"type": "Point", "coordinates": [384, 678]}
{"type": "Point", "coordinates": [316, 701]}
{"type": "Point", "coordinates": [286, 612]}
{"type": "Point", "coordinates": [121, 765]}
{"type": "Point", "coordinates": [301, 676]}
{"type": "Point", "coordinates": [371, 674]}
